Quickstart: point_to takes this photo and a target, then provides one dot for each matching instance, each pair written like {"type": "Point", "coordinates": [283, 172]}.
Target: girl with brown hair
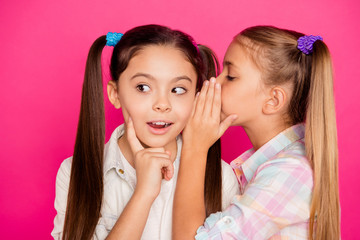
{"type": "Point", "coordinates": [125, 190]}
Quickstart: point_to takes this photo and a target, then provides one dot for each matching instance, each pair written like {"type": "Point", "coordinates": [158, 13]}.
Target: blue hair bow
{"type": "Point", "coordinates": [112, 38]}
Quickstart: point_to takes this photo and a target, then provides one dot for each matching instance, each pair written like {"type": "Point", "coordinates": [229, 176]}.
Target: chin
{"type": "Point", "coordinates": [156, 143]}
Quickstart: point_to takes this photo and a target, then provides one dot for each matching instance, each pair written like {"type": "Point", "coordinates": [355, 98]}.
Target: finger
{"type": "Point", "coordinates": [168, 153]}
{"type": "Point", "coordinates": [158, 155]}
{"type": "Point", "coordinates": [165, 175]}
{"type": "Point", "coordinates": [226, 124]}
{"type": "Point", "coordinates": [217, 101]}
{"type": "Point", "coordinates": [168, 167]}
{"type": "Point", "coordinates": [209, 98]}
{"type": "Point", "coordinates": [195, 103]}
{"type": "Point", "coordinates": [201, 99]}
{"type": "Point", "coordinates": [165, 172]}
{"type": "Point", "coordinates": [165, 165]}
{"type": "Point", "coordinates": [134, 142]}
{"type": "Point", "coordinates": [156, 150]}
{"type": "Point", "coordinates": [168, 175]}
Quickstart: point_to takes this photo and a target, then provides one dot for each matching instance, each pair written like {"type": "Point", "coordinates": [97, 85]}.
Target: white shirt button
{"type": "Point", "coordinates": [227, 220]}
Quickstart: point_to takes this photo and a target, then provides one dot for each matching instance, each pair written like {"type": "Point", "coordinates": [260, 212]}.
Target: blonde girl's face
{"type": "Point", "coordinates": [242, 88]}
{"type": "Point", "coordinates": [157, 90]}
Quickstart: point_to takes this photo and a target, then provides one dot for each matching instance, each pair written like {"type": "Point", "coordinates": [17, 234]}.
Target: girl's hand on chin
{"type": "Point", "coordinates": [204, 127]}
{"type": "Point", "coordinates": [151, 164]}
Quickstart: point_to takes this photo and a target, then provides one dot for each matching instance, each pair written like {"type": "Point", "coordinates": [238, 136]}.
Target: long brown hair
{"type": "Point", "coordinates": [86, 179]}
{"type": "Point", "coordinates": [275, 51]}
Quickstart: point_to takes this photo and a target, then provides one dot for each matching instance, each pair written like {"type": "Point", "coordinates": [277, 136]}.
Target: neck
{"type": "Point", "coordinates": [129, 155]}
{"type": "Point", "coordinates": [261, 133]}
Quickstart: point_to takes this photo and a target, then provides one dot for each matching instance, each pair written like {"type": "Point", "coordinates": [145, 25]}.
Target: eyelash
{"type": "Point", "coordinates": [140, 88]}
{"type": "Point", "coordinates": [173, 90]}
{"type": "Point", "coordinates": [229, 78]}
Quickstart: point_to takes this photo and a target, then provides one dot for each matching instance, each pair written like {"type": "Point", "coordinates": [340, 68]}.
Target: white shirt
{"type": "Point", "coordinates": [119, 185]}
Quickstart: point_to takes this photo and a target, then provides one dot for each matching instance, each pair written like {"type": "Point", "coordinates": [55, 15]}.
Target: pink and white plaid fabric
{"type": "Point", "coordinates": [276, 188]}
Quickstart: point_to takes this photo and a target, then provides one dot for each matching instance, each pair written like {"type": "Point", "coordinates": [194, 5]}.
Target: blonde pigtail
{"type": "Point", "coordinates": [321, 147]}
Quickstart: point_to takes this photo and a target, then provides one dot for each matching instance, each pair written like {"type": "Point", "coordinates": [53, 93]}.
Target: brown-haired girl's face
{"type": "Point", "coordinates": [242, 88]}
{"type": "Point", "coordinates": [157, 89]}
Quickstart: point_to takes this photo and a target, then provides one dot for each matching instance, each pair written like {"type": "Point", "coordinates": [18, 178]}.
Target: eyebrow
{"type": "Point", "coordinates": [143, 75]}
{"type": "Point", "coordinates": [183, 77]}
{"type": "Point", "coordinates": [227, 63]}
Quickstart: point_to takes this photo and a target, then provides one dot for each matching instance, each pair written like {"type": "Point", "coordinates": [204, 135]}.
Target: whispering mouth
{"type": "Point", "coordinates": [159, 124]}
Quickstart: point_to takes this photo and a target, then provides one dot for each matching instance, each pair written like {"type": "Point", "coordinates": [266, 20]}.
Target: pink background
{"type": "Point", "coordinates": [43, 49]}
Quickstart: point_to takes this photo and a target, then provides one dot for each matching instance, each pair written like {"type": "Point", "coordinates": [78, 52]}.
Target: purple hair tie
{"type": "Point", "coordinates": [305, 43]}
{"type": "Point", "coordinates": [112, 38]}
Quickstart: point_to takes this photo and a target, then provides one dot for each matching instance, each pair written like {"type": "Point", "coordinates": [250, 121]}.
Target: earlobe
{"type": "Point", "coordinates": [113, 94]}
{"type": "Point", "coordinates": [275, 101]}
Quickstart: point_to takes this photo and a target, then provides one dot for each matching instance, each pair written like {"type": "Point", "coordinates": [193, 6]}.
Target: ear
{"type": "Point", "coordinates": [276, 100]}
{"type": "Point", "coordinates": [112, 92]}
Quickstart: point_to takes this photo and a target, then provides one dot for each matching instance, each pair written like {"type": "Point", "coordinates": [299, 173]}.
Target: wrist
{"type": "Point", "coordinates": [194, 149]}
{"type": "Point", "coordinates": [193, 161]}
{"type": "Point", "coordinates": [144, 196]}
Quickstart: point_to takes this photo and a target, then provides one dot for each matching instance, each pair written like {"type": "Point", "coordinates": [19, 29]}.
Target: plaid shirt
{"type": "Point", "coordinates": [276, 188]}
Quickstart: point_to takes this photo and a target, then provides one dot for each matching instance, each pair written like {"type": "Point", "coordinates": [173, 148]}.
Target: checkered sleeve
{"type": "Point", "coordinates": [278, 196]}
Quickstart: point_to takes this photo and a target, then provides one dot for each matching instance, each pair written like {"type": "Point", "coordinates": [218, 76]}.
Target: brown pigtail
{"type": "Point", "coordinates": [213, 173]}
{"type": "Point", "coordinates": [86, 179]}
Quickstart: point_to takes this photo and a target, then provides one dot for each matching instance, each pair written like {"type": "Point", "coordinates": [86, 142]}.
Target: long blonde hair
{"type": "Point", "coordinates": [275, 51]}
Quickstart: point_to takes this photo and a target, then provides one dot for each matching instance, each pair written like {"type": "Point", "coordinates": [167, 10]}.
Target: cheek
{"type": "Point", "coordinates": [233, 99]}
{"type": "Point", "coordinates": [183, 108]}
{"type": "Point", "coordinates": [133, 109]}
{"type": "Point", "coordinates": [226, 98]}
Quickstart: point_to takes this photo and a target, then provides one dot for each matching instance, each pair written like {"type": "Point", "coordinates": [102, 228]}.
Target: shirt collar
{"type": "Point", "coordinates": [112, 151]}
{"type": "Point", "coordinates": [249, 161]}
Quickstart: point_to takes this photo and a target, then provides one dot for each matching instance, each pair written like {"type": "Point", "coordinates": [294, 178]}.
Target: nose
{"type": "Point", "coordinates": [220, 78]}
{"type": "Point", "coordinates": [162, 104]}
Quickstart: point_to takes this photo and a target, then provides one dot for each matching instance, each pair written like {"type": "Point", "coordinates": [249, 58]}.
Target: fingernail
{"type": "Point", "coordinates": [213, 80]}
{"type": "Point", "coordinates": [217, 85]}
{"type": "Point", "coordinates": [206, 83]}
{"type": "Point", "coordinates": [197, 94]}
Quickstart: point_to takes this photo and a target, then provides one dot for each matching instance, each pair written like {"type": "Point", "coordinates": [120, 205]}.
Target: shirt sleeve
{"type": "Point", "coordinates": [230, 185]}
{"type": "Point", "coordinates": [62, 188]}
{"type": "Point", "coordinates": [279, 195]}
{"type": "Point", "coordinates": [61, 191]}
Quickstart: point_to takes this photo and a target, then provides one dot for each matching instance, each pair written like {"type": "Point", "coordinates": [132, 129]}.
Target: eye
{"type": "Point", "coordinates": [143, 88]}
{"type": "Point", "coordinates": [229, 78]}
{"type": "Point", "coordinates": [179, 90]}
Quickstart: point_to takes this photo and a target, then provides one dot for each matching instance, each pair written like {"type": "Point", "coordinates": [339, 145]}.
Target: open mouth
{"type": "Point", "coordinates": [159, 124]}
